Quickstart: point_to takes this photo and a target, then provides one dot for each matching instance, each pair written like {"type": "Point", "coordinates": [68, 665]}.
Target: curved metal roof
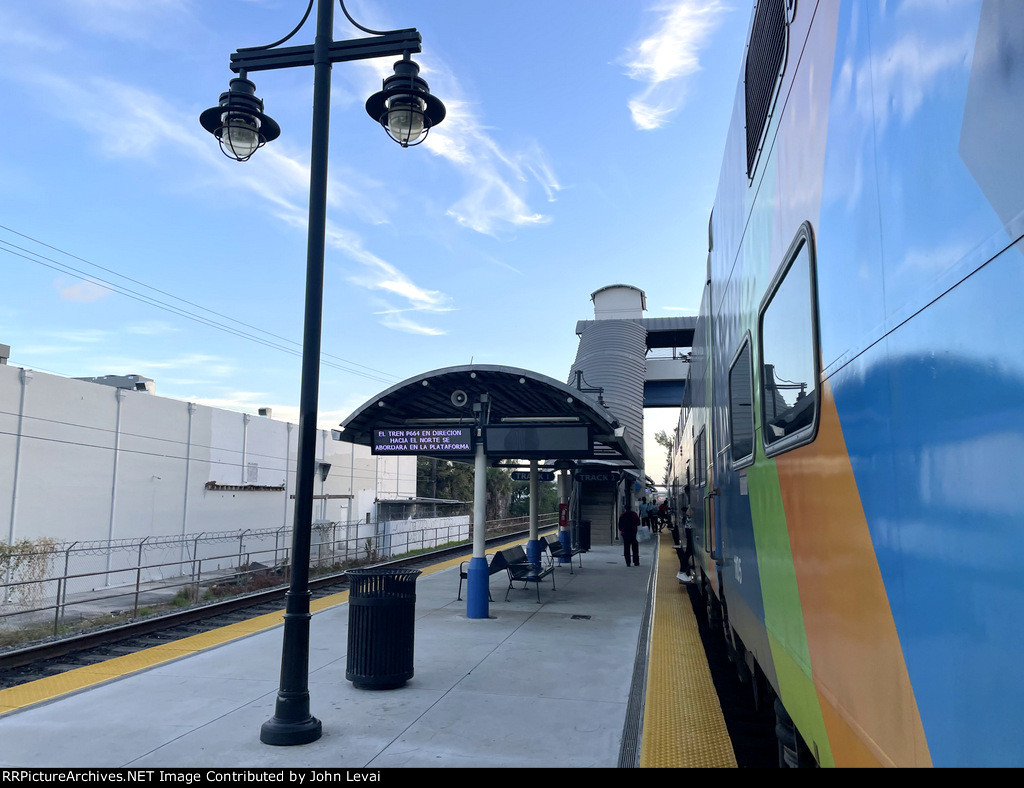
{"type": "Point", "coordinates": [516, 395]}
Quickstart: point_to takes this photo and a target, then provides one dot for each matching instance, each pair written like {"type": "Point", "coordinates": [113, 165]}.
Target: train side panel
{"type": "Point", "coordinates": [931, 395]}
{"type": "Point", "coordinates": [877, 559]}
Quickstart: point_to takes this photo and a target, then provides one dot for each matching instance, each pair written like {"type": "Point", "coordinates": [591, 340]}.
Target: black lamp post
{"type": "Point", "coordinates": [407, 109]}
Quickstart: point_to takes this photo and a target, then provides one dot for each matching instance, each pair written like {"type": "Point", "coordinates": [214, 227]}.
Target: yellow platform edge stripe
{"type": "Point", "coordinates": [683, 722]}
{"type": "Point", "coordinates": [52, 687]}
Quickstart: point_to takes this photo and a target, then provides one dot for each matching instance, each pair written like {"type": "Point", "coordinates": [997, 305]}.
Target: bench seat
{"type": "Point", "coordinates": [556, 550]}
{"type": "Point", "coordinates": [520, 569]}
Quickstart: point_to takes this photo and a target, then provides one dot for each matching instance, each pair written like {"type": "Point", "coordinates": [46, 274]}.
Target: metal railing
{"type": "Point", "coordinates": [63, 588]}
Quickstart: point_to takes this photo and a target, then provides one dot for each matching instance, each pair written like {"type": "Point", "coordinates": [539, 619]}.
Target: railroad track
{"type": "Point", "coordinates": [53, 656]}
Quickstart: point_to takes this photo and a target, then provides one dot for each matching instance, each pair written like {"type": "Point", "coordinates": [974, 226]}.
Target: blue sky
{"type": "Point", "coordinates": [582, 148]}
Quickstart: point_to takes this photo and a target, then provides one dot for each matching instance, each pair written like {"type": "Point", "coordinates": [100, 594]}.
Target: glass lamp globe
{"type": "Point", "coordinates": [241, 136]}
{"type": "Point", "coordinates": [404, 107]}
{"type": "Point", "coordinates": [238, 121]}
{"type": "Point", "coordinates": [405, 119]}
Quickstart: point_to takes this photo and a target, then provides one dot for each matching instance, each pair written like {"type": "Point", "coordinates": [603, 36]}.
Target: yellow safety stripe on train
{"type": "Point", "coordinates": [683, 722]}
{"type": "Point", "coordinates": [14, 698]}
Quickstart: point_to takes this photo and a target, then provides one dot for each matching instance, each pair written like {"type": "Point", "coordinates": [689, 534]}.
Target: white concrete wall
{"type": "Point", "coordinates": [87, 462]}
{"type": "Point", "coordinates": [405, 535]}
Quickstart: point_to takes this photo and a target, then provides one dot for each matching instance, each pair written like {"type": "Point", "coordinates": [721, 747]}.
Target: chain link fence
{"type": "Point", "coordinates": [60, 588]}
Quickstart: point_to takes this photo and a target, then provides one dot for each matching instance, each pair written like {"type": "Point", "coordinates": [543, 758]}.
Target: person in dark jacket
{"type": "Point", "coordinates": [663, 516]}
{"type": "Point", "coordinates": [629, 522]}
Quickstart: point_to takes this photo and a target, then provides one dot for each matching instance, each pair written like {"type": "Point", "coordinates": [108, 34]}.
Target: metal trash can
{"type": "Point", "coordinates": [381, 625]}
{"type": "Point", "coordinates": [584, 536]}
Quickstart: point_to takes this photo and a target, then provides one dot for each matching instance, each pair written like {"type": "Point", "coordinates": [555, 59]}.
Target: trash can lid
{"type": "Point", "coordinates": [381, 571]}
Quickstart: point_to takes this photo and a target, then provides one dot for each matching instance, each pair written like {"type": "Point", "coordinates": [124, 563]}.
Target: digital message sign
{"type": "Point", "coordinates": [539, 441]}
{"type": "Point", "coordinates": [423, 440]}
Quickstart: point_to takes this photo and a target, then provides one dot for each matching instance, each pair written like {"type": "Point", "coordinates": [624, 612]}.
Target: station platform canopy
{"type": "Point", "coordinates": [514, 398]}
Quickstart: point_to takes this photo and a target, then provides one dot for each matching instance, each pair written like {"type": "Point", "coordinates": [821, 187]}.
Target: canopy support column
{"type": "Point", "coordinates": [533, 544]}
{"type": "Point", "coordinates": [477, 577]}
{"type": "Point", "coordinates": [564, 532]}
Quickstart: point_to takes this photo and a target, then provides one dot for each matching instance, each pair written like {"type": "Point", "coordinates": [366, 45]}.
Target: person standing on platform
{"type": "Point", "coordinates": [629, 523]}
{"type": "Point", "coordinates": [685, 551]}
{"type": "Point", "coordinates": [673, 528]}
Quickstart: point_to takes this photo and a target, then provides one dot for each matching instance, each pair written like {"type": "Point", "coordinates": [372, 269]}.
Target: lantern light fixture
{"type": "Point", "coordinates": [238, 121]}
{"type": "Point", "coordinates": [404, 106]}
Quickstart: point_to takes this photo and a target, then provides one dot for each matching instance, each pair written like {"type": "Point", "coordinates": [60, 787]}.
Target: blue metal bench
{"type": "Point", "coordinates": [556, 550]}
{"type": "Point", "coordinates": [519, 569]}
{"type": "Point", "coordinates": [496, 562]}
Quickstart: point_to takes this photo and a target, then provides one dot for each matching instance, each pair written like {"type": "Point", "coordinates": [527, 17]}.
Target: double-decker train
{"type": "Point", "coordinates": [851, 443]}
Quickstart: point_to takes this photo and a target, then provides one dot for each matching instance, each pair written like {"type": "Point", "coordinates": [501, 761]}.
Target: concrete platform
{"type": "Point", "coordinates": [535, 685]}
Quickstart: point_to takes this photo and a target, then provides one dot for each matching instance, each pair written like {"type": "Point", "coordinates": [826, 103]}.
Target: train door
{"type": "Point", "coordinates": [700, 453]}
{"type": "Point", "coordinates": [707, 494]}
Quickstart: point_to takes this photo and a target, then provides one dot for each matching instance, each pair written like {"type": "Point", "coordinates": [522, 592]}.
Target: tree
{"type": "Point", "coordinates": [663, 439]}
{"type": "Point", "coordinates": [547, 497]}
{"type": "Point", "coordinates": [454, 481]}
{"type": "Point", "coordinates": [444, 479]}
{"type": "Point", "coordinates": [499, 493]}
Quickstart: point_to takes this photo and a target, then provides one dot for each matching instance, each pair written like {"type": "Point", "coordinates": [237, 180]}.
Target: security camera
{"type": "Point", "coordinates": [460, 398]}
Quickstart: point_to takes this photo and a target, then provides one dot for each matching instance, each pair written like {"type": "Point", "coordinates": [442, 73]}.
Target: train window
{"type": "Point", "coordinates": [700, 460]}
{"type": "Point", "coordinates": [766, 60]}
{"type": "Point", "coordinates": [741, 406]}
{"type": "Point", "coordinates": [789, 350]}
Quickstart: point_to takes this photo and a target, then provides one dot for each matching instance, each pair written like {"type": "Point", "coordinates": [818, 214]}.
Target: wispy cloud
{"type": "Point", "coordinates": [500, 182]}
{"type": "Point", "coordinates": [192, 363]}
{"type": "Point", "coordinates": [125, 121]}
{"type": "Point", "coordinates": [399, 322]}
{"type": "Point", "coordinates": [85, 291]}
{"type": "Point", "coordinates": [400, 319]}
{"type": "Point", "coordinates": [382, 275]}
{"type": "Point", "coordinates": [377, 274]}
{"type": "Point", "coordinates": [502, 264]}
{"type": "Point", "coordinates": [670, 54]}
{"type": "Point", "coordinates": [497, 181]}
